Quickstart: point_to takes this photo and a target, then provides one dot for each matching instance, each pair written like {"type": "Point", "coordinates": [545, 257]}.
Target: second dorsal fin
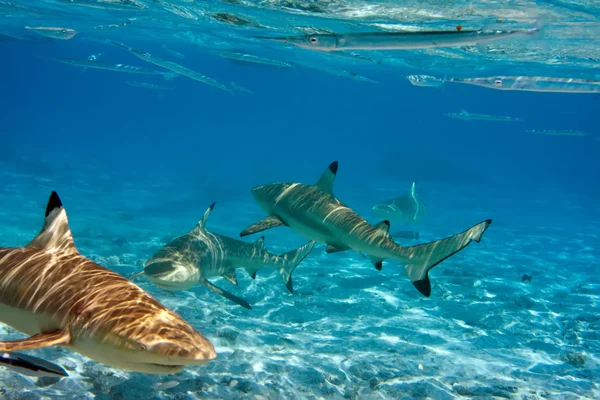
{"type": "Point", "coordinates": [55, 235]}
{"type": "Point", "coordinates": [325, 183]}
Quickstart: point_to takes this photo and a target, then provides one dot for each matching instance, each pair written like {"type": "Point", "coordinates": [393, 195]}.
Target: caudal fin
{"type": "Point", "coordinates": [418, 260]}
{"type": "Point", "coordinates": [291, 261]}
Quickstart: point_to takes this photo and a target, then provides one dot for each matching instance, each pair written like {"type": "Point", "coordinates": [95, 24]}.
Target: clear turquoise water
{"type": "Point", "coordinates": [137, 167]}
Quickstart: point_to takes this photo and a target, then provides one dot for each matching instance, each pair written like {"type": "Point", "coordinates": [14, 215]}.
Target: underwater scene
{"type": "Point", "coordinates": [300, 199]}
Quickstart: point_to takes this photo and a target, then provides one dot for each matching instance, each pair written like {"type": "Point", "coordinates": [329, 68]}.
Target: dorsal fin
{"type": "Point", "coordinates": [260, 242]}
{"type": "Point", "coordinates": [383, 226]}
{"type": "Point", "coordinates": [202, 223]}
{"type": "Point", "coordinates": [325, 183]}
{"type": "Point", "coordinates": [55, 234]}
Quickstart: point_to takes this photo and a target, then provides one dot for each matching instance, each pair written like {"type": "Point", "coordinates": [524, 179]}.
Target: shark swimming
{"type": "Point", "coordinates": [402, 208]}
{"type": "Point", "coordinates": [58, 297]}
{"type": "Point", "coordinates": [198, 255]}
{"type": "Point", "coordinates": [314, 212]}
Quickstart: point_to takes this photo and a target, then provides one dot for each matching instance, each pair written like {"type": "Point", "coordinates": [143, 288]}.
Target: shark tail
{"type": "Point", "coordinates": [291, 260]}
{"type": "Point", "coordinates": [419, 259]}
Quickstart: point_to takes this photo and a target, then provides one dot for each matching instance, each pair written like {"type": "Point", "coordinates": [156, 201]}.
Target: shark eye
{"type": "Point", "coordinates": [498, 82]}
{"type": "Point", "coordinates": [313, 40]}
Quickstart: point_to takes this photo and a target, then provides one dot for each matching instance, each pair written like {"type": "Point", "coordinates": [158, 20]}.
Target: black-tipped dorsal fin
{"type": "Point", "coordinates": [383, 226]}
{"type": "Point", "coordinates": [325, 183]}
{"type": "Point", "coordinates": [260, 242]}
{"type": "Point", "coordinates": [201, 225]}
{"type": "Point", "coordinates": [55, 235]}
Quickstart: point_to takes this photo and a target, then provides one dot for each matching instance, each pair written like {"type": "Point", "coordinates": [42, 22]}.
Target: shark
{"type": "Point", "coordinates": [199, 254]}
{"type": "Point", "coordinates": [406, 208]}
{"type": "Point", "coordinates": [314, 212]}
{"type": "Point", "coordinates": [58, 297]}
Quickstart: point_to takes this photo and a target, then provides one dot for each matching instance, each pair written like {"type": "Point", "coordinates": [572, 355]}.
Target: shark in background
{"type": "Point", "coordinates": [58, 297]}
{"type": "Point", "coordinates": [314, 212]}
{"type": "Point", "coordinates": [407, 208]}
{"type": "Point", "coordinates": [198, 255]}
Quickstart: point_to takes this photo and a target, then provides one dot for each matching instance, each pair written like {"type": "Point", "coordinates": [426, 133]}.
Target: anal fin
{"type": "Point", "coordinates": [377, 262]}
{"type": "Point", "coordinates": [334, 248]}
{"type": "Point", "coordinates": [262, 225]}
{"type": "Point", "coordinates": [37, 341]}
{"type": "Point", "coordinates": [226, 294]}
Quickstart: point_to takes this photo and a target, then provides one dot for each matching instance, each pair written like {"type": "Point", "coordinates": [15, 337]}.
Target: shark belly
{"type": "Point", "coordinates": [27, 322]}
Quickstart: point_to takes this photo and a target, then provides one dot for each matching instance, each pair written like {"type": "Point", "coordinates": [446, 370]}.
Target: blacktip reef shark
{"type": "Point", "coordinates": [30, 365]}
{"type": "Point", "coordinates": [396, 40]}
{"type": "Point", "coordinates": [199, 254]}
{"type": "Point", "coordinates": [314, 212]}
{"type": "Point", "coordinates": [467, 116]}
{"type": "Point", "coordinates": [402, 208]}
{"type": "Point", "coordinates": [60, 298]}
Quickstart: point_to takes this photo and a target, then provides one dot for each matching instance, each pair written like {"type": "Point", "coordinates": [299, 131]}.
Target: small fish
{"type": "Point", "coordinates": [557, 132]}
{"type": "Point", "coordinates": [395, 40]}
{"type": "Point", "coordinates": [425, 80]}
{"type": "Point", "coordinates": [533, 84]}
{"type": "Point", "coordinates": [54, 33]}
{"type": "Point", "coordinates": [198, 255]}
{"type": "Point", "coordinates": [147, 85]}
{"type": "Point", "coordinates": [239, 88]}
{"type": "Point", "coordinates": [481, 117]}
{"type": "Point", "coordinates": [526, 278]}
{"type": "Point", "coordinates": [110, 67]}
{"type": "Point", "coordinates": [31, 366]}
{"type": "Point", "coordinates": [164, 385]}
{"type": "Point", "coordinates": [250, 58]}
{"type": "Point", "coordinates": [171, 66]}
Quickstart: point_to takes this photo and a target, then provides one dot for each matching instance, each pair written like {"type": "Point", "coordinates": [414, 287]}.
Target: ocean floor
{"type": "Point", "coordinates": [348, 331]}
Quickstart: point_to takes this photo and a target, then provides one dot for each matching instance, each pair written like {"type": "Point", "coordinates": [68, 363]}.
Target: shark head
{"type": "Point", "coordinates": [166, 344]}
{"type": "Point", "coordinates": [170, 274]}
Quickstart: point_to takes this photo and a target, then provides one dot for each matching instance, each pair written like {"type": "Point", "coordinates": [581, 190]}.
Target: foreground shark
{"type": "Point", "coordinates": [314, 212]}
{"type": "Point", "coordinates": [405, 208]}
{"type": "Point", "coordinates": [198, 255]}
{"type": "Point", "coordinates": [60, 298]}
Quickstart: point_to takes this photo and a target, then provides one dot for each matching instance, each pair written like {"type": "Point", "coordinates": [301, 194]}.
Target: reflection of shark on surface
{"type": "Point", "coordinates": [60, 298]}
{"type": "Point", "coordinates": [481, 117]}
{"type": "Point", "coordinates": [198, 255]}
{"type": "Point", "coordinates": [314, 212]}
{"type": "Point", "coordinates": [403, 208]}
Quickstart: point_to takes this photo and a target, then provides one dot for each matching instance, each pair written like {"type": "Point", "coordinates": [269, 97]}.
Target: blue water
{"type": "Point", "coordinates": [137, 167]}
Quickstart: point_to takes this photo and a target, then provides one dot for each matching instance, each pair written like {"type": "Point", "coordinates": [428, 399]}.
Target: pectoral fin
{"type": "Point", "coordinates": [230, 276]}
{"type": "Point", "coordinates": [37, 341]}
{"type": "Point", "coordinates": [262, 225]}
{"type": "Point", "coordinates": [226, 294]}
